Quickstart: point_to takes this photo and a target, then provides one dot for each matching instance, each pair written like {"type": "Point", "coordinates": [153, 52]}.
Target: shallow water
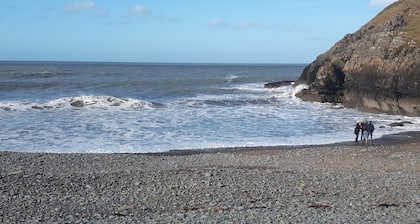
{"type": "Point", "coordinates": [115, 107]}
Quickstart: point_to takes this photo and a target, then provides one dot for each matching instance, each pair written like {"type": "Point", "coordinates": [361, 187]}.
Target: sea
{"type": "Point", "coordinates": [92, 107]}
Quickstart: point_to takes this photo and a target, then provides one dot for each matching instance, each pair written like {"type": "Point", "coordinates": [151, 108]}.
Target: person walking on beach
{"type": "Point", "coordinates": [357, 131]}
{"type": "Point", "coordinates": [369, 129]}
{"type": "Point", "coordinates": [365, 131]}
{"type": "Point", "coordinates": [361, 124]}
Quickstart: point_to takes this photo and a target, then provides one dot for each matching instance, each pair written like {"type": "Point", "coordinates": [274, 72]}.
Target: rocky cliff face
{"type": "Point", "coordinates": [375, 68]}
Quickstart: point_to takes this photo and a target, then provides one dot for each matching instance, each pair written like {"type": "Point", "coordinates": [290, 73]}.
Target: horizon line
{"type": "Point", "coordinates": [162, 63]}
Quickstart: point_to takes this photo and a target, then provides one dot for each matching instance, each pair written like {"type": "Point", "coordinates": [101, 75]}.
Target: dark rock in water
{"type": "Point", "coordinates": [377, 68]}
{"type": "Point", "coordinates": [158, 105]}
{"type": "Point", "coordinates": [41, 107]}
{"type": "Point", "coordinates": [77, 103]}
{"type": "Point", "coordinates": [396, 124]}
{"type": "Point", "coordinates": [278, 84]}
{"type": "Point", "coordinates": [37, 107]}
{"type": "Point", "coordinates": [400, 124]}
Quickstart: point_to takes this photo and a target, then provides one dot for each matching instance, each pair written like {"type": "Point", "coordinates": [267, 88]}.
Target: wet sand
{"type": "Point", "coordinates": [338, 183]}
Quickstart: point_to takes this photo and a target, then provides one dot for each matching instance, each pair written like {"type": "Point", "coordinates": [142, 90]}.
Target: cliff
{"type": "Point", "coordinates": [375, 68]}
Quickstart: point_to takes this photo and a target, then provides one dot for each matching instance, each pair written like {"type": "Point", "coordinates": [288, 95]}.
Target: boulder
{"type": "Point", "coordinates": [78, 103]}
{"type": "Point", "coordinates": [400, 124]}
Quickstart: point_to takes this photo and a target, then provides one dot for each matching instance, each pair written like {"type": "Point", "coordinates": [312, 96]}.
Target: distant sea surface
{"type": "Point", "coordinates": [137, 108]}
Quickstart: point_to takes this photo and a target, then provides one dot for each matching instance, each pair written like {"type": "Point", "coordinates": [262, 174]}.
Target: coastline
{"type": "Point", "coordinates": [391, 139]}
{"type": "Point", "coordinates": [336, 183]}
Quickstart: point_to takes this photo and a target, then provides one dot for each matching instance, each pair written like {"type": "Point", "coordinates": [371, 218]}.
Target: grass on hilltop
{"type": "Point", "coordinates": [410, 9]}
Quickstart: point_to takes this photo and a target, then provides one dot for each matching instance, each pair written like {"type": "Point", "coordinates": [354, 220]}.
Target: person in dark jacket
{"type": "Point", "coordinates": [357, 131]}
{"type": "Point", "coordinates": [369, 128]}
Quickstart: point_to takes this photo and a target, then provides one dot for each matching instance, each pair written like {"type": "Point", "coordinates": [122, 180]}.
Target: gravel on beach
{"type": "Point", "coordinates": [342, 183]}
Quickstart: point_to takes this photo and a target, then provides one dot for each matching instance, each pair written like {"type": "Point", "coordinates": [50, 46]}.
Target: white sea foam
{"type": "Point", "coordinates": [231, 77]}
{"type": "Point", "coordinates": [255, 87]}
{"type": "Point", "coordinates": [87, 102]}
{"type": "Point", "coordinates": [155, 109]}
{"type": "Point", "coordinates": [204, 121]}
{"type": "Point", "coordinates": [299, 88]}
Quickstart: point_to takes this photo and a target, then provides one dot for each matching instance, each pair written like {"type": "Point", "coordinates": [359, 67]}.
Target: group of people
{"type": "Point", "coordinates": [365, 129]}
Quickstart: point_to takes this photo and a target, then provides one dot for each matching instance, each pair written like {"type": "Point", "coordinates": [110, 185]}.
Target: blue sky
{"type": "Point", "coordinates": [229, 31]}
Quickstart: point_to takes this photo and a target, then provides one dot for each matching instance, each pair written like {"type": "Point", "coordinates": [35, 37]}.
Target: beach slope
{"type": "Point", "coordinates": [346, 183]}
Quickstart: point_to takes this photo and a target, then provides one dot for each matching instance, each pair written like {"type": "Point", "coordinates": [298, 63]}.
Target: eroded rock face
{"type": "Point", "coordinates": [375, 68]}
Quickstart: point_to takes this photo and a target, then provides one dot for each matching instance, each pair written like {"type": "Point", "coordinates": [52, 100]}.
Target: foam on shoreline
{"type": "Point", "coordinates": [387, 140]}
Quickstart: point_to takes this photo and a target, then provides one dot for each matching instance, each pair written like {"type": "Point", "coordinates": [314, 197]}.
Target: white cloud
{"type": "Point", "coordinates": [246, 25]}
{"type": "Point", "coordinates": [80, 6]}
{"type": "Point", "coordinates": [217, 22]}
{"type": "Point", "coordinates": [381, 3]}
{"type": "Point", "coordinates": [140, 10]}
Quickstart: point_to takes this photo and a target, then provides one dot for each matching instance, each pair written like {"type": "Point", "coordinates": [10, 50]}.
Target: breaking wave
{"type": "Point", "coordinates": [251, 94]}
{"type": "Point", "coordinates": [299, 88]}
{"type": "Point", "coordinates": [92, 102]}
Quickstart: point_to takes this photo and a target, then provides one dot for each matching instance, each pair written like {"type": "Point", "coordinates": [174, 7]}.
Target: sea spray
{"type": "Point", "coordinates": [299, 88]}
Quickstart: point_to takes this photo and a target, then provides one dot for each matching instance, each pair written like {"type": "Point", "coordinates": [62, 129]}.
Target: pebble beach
{"type": "Point", "coordinates": [339, 183]}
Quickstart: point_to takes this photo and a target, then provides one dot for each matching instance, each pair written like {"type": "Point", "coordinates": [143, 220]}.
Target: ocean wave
{"type": "Point", "coordinates": [299, 88]}
{"type": "Point", "coordinates": [79, 102]}
{"type": "Point", "coordinates": [231, 77]}
{"type": "Point", "coordinates": [240, 95]}
{"type": "Point", "coordinates": [259, 88]}
{"type": "Point", "coordinates": [110, 103]}
{"type": "Point", "coordinates": [226, 102]}
{"type": "Point", "coordinates": [277, 98]}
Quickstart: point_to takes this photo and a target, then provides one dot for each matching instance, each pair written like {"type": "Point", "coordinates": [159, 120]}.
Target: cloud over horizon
{"type": "Point", "coordinates": [140, 10]}
{"type": "Point", "coordinates": [218, 22]}
{"type": "Point", "coordinates": [161, 31]}
{"type": "Point", "coordinates": [381, 3]}
{"type": "Point", "coordinates": [79, 6]}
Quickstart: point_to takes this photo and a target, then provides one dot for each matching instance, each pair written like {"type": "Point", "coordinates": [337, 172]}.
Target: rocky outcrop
{"type": "Point", "coordinates": [271, 85]}
{"type": "Point", "coordinates": [375, 68]}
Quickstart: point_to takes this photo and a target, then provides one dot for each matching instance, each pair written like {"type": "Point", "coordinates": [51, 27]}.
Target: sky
{"type": "Point", "coordinates": [182, 31]}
